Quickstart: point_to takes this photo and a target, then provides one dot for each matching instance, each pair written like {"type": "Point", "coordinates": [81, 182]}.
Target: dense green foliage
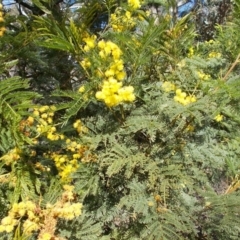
{"type": "Point", "coordinates": [127, 133]}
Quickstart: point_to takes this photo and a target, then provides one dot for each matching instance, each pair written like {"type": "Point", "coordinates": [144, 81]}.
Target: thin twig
{"type": "Point", "coordinates": [232, 67]}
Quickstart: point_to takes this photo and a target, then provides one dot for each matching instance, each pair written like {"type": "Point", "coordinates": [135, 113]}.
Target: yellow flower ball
{"type": "Point", "coordinates": [135, 4]}
{"type": "Point", "coordinates": [7, 221]}
{"type": "Point", "coordinates": [36, 113]}
{"type": "Point", "coordinates": [44, 116]}
{"type": "Point", "coordinates": [218, 118]}
{"type": "Point", "coordinates": [9, 228]}
{"type": "Point", "coordinates": [101, 44]}
{"type": "Point", "coordinates": [45, 236]}
{"type": "Point", "coordinates": [81, 89]}
{"type": "Point", "coordinates": [168, 86]}
{"type": "Point", "coordinates": [99, 95]}
{"type": "Point", "coordinates": [30, 120]}
{"type": "Point", "coordinates": [120, 75]}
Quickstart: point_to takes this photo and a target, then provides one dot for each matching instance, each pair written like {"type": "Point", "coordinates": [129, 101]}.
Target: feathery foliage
{"type": "Point", "coordinates": [141, 141]}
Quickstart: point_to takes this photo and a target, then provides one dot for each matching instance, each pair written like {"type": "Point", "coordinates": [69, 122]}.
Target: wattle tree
{"type": "Point", "coordinates": [119, 120]}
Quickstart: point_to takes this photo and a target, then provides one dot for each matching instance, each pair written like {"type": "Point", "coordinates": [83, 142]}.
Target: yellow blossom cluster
{"type": "Point", "coordinates": [135, 40]}
{"type": "Point", "coordinates": [41, 167]}
{"type": "Point", "coordinates": [81, 89]}
{"type": "Point", "coordinates": [160, 206]}
{"type": "Point", "coordinates": [45, 236]}
{"type": "Point", "coordinates": [66, 165]}
{"type": "Point", "coordinates": [2, 28]}
{"type": "Point", "coordinates": [12, 156]}
{"type": "Point", "coordinates": [85, 63]}
{"type": "Point", "coordinates": [109, 49]}
{"type": "Point", "coordinates": [53, 135]}
{"type": "Point", "coordinates": [66, 160]}
{"type": "Point", "coordinates": [121, 21]}
{"type": "Point", "coordinates": [66, 210]}
{"type": "Point", "coordinates": [203, 76]}
{"type": "Point", "coordinates": [63, 208]}
{"type": "Point", "coordinates": [214, 55]}
{"type": "Point", "coordinates": [25, 126]}
{"type": "Point", "coordinates": [73, 146]}
{"type": "Point", "coordinates": [34, 218]}
{"type": "Point", "coordinates": [134, 4]}
{"type": "Point", "coordinates": [90, 42]}
{"type": "Point", "coordinates": [168, 86]}
{"type": "Point", "coordinates": [190, 128]}
{"type": "Point", "coordinates": [211, 41]}
{"type": "Point", "coordinates": [78, 125]}
{"type": "Point", "coordinates": [190, 52]}
{"type": "Point", "coordinates": [7, 224]}
{"type": "Point", "coordinates": [45, 112]}
{"type": "Point", "coordinates": [19, 210]}
{"type": "Point", "coordinates": [80, 152]}
{"type": "Point", "coordinates": [45, 126]}
{"type": "Point", "coordinates": [113, 92]}
{"type": "Point", "coordinates": [111, 69]}
{"type": "Point", "coordinates": [218, 118]}
{"type": "Point", "coordinates": [182, 98]}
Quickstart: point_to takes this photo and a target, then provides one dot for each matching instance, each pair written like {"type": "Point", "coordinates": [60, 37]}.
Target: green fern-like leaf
{"type": "Point", "coordinates": [15, 101]}
{"type": "Point", "coordinates": [83, 228]}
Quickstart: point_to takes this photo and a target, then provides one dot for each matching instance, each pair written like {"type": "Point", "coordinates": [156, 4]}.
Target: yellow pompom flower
{"type": "Point", "coordinates": [30, 120]}
{"type": "Point", "coordinates": [134, 4]}
{"type": "Point", "coordinates": [90, 42]}
{"type": "Point", "coordinates": [36, 113]}
{"type": "Point", "coordinates": [100, 95]}
{"type": "Point", "coordinates": [120, 75]}
{"type": "Point", "coordinates": [116, 52]}
{"type": "Point", "coordinates": [126, 94]}
{"type": "Point", "coordinates": [202, 75]}
{"type": "Point", "coordinates": [128, 14]}
{"type": "Point", "coordinates": [7, 221]}
{"type": "Point", "coordinates": [30, 226]}
{"type": "Point", "coordinates": [2, 228]}
{"type": "Point", "coordinates": [81, 89]}
{"type": "Point", "coordinates": [80, 127]}
{"type": "Point", "coordinates": [44, 116]}
{"type": "Point", "coordinates": [109, 73]}
{"type": "Point", "coordinates": [112, 100]}
{"type": "Point", "coordinates": [182, 98]}
{"type": "Point", "coordinates": [117, 65]}
{"type": "Point", "coordinates": [9, 228]}
{"type": "Point", "coordinates": [218, 118]}
{"type": "Point", "coordinates": [45, 236]}
{"type": "Point", "coordinates": [190, 52]}
{"type": "Point", "coordinates": [168, 87]}
{"type": "Point", "coordinates": [43, 109]}
{"type": "Point", "coordinates": [101, 44]}
{"type": "Point", "coordinates": [102, 54]}
{"type": "Point", "coordinates": [214, 55]}
{"type": "Point", "coordinates": [85, 63]}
